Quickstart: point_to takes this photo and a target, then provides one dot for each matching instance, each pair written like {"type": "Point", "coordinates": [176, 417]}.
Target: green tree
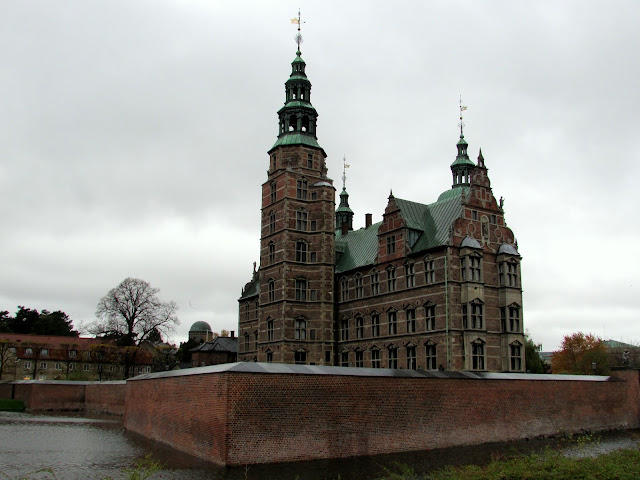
{"type": "Point", "coordinates": [534, 363]}
{"type": "Point", "coordinates": [29, 321]}
{"type": "Point", "coordinates": [582, 355]}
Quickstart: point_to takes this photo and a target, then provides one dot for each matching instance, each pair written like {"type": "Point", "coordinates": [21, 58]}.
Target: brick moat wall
{"type": "Point", "coordinates": [106, 397]}
{"type": "Point", "coordinates": [239, 418]}
{"type": "Point", "coordinates": [50, 395]}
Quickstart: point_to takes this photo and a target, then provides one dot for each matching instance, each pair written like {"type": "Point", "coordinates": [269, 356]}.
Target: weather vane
{"type": "Point", "coordinates": [462, 109]}
{"type": "Point", "coordinates": [298, 21]}
{"type": "Point", "coordinates": [345, 165]}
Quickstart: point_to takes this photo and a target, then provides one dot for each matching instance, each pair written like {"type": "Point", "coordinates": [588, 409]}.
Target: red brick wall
{"type": "Point", "coordinates": [51, 395]}
{"type": "Point", "coordinates": [5, 390]}
{"type": "Point", "coordinates": [244, 418]}
{"type": "Point", "coordinates": [106, 397]}
{"type": "Point", "coordinates": [187, 412]}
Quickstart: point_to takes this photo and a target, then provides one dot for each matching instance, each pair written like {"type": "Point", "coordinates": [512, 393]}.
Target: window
{"type": "Point", "coordinates": [86, 367]}
{"type": "Point", "coordinates": [313, 225]}
{"type": "Point", "coordinates": [344, 359]}
{"type": "Point", "coordinates": [274, 188]}
{"type": "Point", "coordinates": [375, 324]}
{"type": "Point", "coordinates": [301, 289]}
{"type": "Point", "coordinates": [72, 366]}
{"type": "Point", "coordinates": [28, 351]}
{"type": "Point", "coordinates": [359, 358]}
{"type": "Point", "coordinates": [309, 160]}
{"type": "Point", "coordinates": [391, 279]}
{"type": "Point", "coordinates": [375, 283]}
{"type": "Point", "coordinates": [271, 285]}
{"type": "Point", "coordinates": [512, 274]}
{"type": "Point", "coordinates": [301, 189]}
{"type": "Point", "coordinates": [43, 365]}
{"type": "Point", "coordinates": [312, 334]}
{"type": "Point", "coordinates": [269, 357]}
{"type": "Point", "coordinates": [430, 316]}
{"type": "Point", "coordinates": [44, 352]}
{"type": "Point", "coordinates": [255, 338]}
{"type": "Point", "coordinates": [344, 329]}
{"type": "Point", "coordinates": [359, 327]}
{"type": "Point", "coordinates": [73, 353]}
{"type": "Point", "coordinates": [393, 358]}
{"type": "Point", "coordinates": [359, 287]}
{"type": "Point", "coordinates": [503, 319]}
{"type": "Point", "coordinates": [470, 269]}
{"type": "Point", "coordinates": [246, 311]}
{"type": "Point", "coordinates": [409, 271]}
{"type": "Point", "coordinates": [429, 271]}
{"type": "Point", "coordinates": [87, 355]}
{"type": "Point", "coordinates": [312, 258]}
{"type": "Point", "coordinates": [494, 219]}
{"type": "Point", "coordinates": [301, 251]}
{"type": "Point", "coordinates": [246, 342]}
{"type": "Point", "coordinates": [327, 357]}
{"type": "Point", "coordinates": [477, 355]}
{"type": "Point", "coordinates": [516, 359]}
{"type": "Point", "coordinates": [301, 329]}
{"type": "Point", "coordinates": [112, 368]}
{"type": "Point", "coordinates": [430, 350]}
{"type": "Point", "coordinates": [344, 289]}
{"type": "Point", "coordinates": [411, 358]}
{"type": "Point", "coordinates": [474, 214]}
{"type": "Point", "coordinates": [476, 315]}
{"type": "Point", "coordinates": [270, 330]}
{"type": "Point", "coordinates": [272, 253]}
{"type": "Point", "coordinates": [375, 358]}
{"type": "Point", "coordinates": [391, 244]}
{"type": "Point", "coordinates": [272, 222]}
{"type": "Point", "coordinates": [300, 358]}
{"type": "Point", "coordinates": [514, 318]}
{"type": "Point", "coordinates": [301, 220]}
{"type": "Point", "coordinates": [393, 322]}
{"type": "Point", "coordinates": [27, 365]}
{"type": "Point", "coordinates": [465, 319]}
{"type": "Point", "coordinates": [411, 320]}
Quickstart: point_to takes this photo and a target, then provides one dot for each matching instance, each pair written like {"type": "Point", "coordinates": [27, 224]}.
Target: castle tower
{"type": "Point", "coordinates": [297, 243]}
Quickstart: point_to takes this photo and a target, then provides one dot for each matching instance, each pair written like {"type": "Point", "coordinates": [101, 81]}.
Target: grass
{"type": "Point", "coordinates": [7, 405]}
{"type": "Point", "coordinates": [549, 465]}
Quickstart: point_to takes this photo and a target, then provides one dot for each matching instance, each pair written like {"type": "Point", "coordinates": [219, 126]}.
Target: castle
{"type": "Point", "coordinates": [434, 287]}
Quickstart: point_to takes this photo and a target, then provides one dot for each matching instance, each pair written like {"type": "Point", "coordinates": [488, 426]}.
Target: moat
{"type": "Point", "coordinates": [88, 447]}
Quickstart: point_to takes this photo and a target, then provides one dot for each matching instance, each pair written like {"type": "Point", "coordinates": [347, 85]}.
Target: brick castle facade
{"type": "Point", "coordinates": [434, 287]}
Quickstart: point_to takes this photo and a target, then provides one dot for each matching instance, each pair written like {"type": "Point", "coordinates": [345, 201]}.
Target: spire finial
{"type": "Point", "coordinates": [462, 109]}
{"type": "Point", "coordinates": [345, 165]}
{"type": "Point", "coordinates": [298, 21]}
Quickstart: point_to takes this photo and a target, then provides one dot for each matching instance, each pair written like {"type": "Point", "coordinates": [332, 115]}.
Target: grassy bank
{"type": "Point", "coordinates": [7, 405]}
{"type": "Point", "coordinates": [550, 465]}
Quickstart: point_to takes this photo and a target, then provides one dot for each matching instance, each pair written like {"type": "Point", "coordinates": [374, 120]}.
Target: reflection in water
{"type": "Point", "coordinates": [77, 447]}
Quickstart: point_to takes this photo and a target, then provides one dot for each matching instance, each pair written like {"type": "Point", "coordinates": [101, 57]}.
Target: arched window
{"type": "Point", "coordinates": [477, 355]}
{"type": "Point", "coordinates": [516, 355]}
{"type": "Point", "coordinates": [359, 288]}
{"type": "Point", "coordinates": [272, 253]}
{"type": "Point", "coordinates": [344, 289]}
{"type": "Point", "coordinates": [271, 288]}
{"type": "Point", "coordinates": [272, 221]}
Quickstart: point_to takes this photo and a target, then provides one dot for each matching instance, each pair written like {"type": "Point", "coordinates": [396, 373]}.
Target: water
{"type": "Point", "coordinates": [81, 447]}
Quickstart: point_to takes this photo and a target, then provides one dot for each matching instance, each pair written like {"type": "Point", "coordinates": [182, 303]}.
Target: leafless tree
{"type": "Point", "coordinates": [130, 312]}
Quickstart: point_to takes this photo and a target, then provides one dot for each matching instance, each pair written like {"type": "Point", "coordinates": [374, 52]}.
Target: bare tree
{"type": "Point", "coordinates": [7, 358]}
{"type": "Point", "coordinates": [130, 313]}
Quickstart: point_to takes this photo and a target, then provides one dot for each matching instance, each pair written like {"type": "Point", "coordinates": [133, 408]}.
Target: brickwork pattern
{"type": "Point", "coordinates": [247, 418]}
{"type": "Point", "coordinates": [106, 397]}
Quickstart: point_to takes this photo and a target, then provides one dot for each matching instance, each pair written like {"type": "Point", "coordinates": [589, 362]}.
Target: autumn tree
{"type": "Point", "coordinates": [132, 312]}
{"type": "Point", "coordinates": [579, 354]}
{"type": "Point", "coordinates": [7, 358]}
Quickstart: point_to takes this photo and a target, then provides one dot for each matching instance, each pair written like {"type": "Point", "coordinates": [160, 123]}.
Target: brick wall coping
{"type": "Point", "coordinates": [281, 368]}
{"type": "Point", "coordinates": [66, 382]}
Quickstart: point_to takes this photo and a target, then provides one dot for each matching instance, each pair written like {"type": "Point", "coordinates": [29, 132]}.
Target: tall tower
{"type": "Point", "coordinates": [297, 242]}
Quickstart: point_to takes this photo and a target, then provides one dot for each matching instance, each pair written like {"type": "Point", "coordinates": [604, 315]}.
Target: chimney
{"type": "Point", "coordinates": [233, 334]}
{"type": "Point", "coordinates": [367, 220]}
{"type": "Point", "coordinates": [345, 228]}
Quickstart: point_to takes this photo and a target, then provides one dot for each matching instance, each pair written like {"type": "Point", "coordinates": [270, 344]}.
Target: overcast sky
{"type": "Point", "coordinates": [133, 140]}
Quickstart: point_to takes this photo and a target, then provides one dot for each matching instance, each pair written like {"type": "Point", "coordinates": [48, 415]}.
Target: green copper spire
{"type": "Point", "coordinates": [344, 214]}
{"type": "Point", "coordinates": [298, 118]}
{"type": "Point", "coordinates": [461, 166]}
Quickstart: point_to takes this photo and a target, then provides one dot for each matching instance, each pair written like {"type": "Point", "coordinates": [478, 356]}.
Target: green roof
{"type": "Point", "coordinates": [298, 78]}
{"type": "Point", "coordinates": [251, 289]}
{"type": "Point", "coordinates": [463, 161]}
{"type": "Point", "coordinates": [359, 248]}
{"type": "Point", "coordinates": [297, 103]}
{"type": "Point", "coordinates": [296, 138]}
{"type": "Point", "coordinates": [453, 192]}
